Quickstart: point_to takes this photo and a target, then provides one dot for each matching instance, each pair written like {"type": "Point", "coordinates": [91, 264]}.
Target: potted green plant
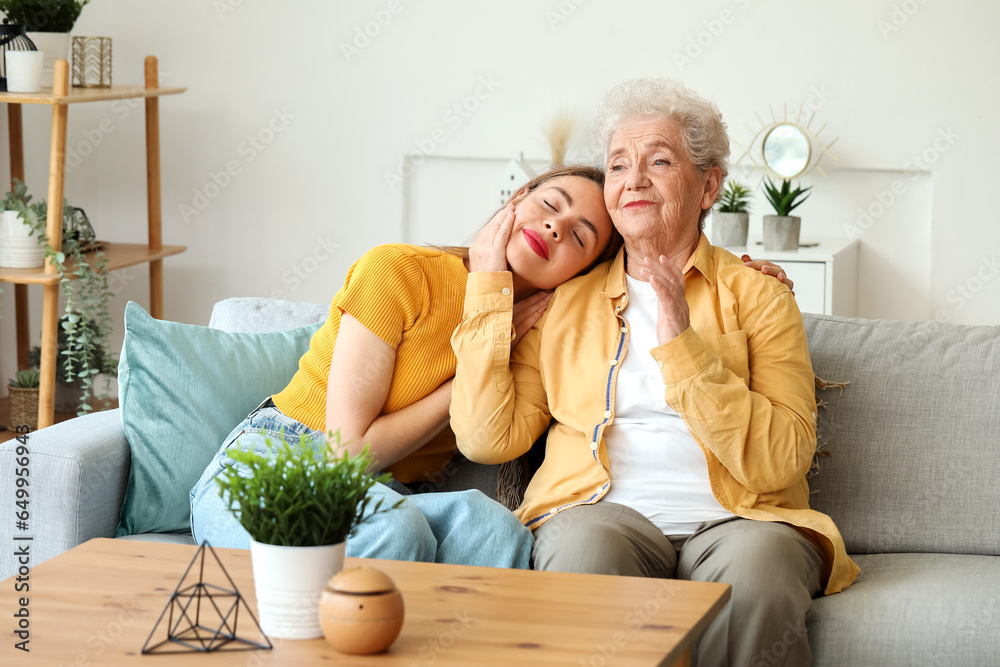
{"type": "Point", "coordinates": [781, 230]}
{"type": "Point", "coordinates": [49, 23]}
{"type": "Point", "coordinates": [731, 220]}
{"type": "Point", "coordinates": [299, 503]}
{"type": "Point", "coordinates": [86, 323]}
{"type": "Point", "coordinates": [23, 392]}
{"type": "Point", "coordinates": [70, 394]}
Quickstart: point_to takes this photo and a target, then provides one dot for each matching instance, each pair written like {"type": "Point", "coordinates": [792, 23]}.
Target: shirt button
{"type": "Point", "coordinates": [614, 362]}
{"type": "Point", "coordinates": [624, 329]}
{"type": "Point", "coordinates": [607, 414]}
{"type": "Point", "coordinates": [593, 446]}
{"type": "Point", "coordinates": [659, 363]}
{"type": "Point", "coordinates": [505, 291]}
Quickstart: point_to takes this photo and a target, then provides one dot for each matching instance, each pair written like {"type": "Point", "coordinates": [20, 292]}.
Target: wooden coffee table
{"type": "Point", "coordinates": [97, 603]}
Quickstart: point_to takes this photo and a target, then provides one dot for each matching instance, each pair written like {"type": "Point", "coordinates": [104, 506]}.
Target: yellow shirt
{"type": "Point", "coordinates": [739, 376]}
{"type": "Point", "coordinates": [410, 297]}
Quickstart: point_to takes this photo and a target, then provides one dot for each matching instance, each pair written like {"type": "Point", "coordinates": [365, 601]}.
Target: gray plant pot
{"type": "Point", "coordinates": [730, 229]}
{"type": "Point", "coordinates": [781, 232]}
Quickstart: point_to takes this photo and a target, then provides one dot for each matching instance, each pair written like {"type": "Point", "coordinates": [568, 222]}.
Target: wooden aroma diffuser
{"type": "Point", "coordinates": [361, 611]}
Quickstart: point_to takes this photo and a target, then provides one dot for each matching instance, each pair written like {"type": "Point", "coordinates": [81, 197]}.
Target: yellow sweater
{"type": "Point", "coordinates": [411, 297]}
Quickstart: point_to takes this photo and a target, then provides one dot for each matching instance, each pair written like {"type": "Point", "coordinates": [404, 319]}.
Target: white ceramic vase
{"type": "Point", "coordinates": [781, 232]}
{"type": "Point", "coordinates": [289, 582]}
{"type": "Point", "coordinates": [18, 248]}
{"type": "Point", "coordinates": [56, 47]}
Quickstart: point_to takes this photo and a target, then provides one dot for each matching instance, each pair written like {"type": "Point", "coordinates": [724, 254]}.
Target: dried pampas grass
{"type": "Point", "coordinates": [558, 133]}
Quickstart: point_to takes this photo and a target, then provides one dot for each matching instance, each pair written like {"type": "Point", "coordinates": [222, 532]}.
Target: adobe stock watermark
{"type": "Point", "coordinates": [301, 271]}
{"type": "Point", "coordinates": [364, 34]}
{"type": "Point", "coordinates": [223, 7]}
{"type": "Point", "coordinates": [92, 137]}
{"type": "Point", "coordinates": [899, 16]}
{"type": "Point", "coordinates": [248, 149]}
{"type": "Point", "coordinates": [701, 41]}
{"type": "Point", "coordinates": [883, 200]}
{"type": "Point", "coordinates": [454, 117]}
{"type": "Point", "coordinates": [637, 619]}
{"type": "Point", "coordinates": [562, 12]}
{"type": "Point", "coordinates": [431, 650]}
{"type": "Point", "coordinates": [966, 289]}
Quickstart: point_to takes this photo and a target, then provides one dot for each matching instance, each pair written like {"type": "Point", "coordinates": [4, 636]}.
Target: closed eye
{"type": "Point", "coordinates": [578, 239]}
{"type": "Point", "coordinates": [546, 202]}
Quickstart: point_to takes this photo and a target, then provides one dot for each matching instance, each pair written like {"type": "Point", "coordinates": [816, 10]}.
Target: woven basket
{"type": "Point", "coordinates": [23, 408]}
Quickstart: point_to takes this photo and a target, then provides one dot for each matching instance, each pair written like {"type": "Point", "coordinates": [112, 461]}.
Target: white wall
{"type": "Point", "coordinates": [892, 79]}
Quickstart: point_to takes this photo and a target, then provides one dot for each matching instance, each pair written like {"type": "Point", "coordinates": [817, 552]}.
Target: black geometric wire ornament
{"type": "Point", "coordinates": [188, 631]}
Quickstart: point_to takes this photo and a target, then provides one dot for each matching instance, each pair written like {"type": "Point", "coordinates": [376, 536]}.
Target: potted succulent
{"type": "Point", "coordinates": [731, 220]}
{"type": "Point", "coordinates": [86, 323]}
{"type": "Point", "coordinates": [24, 401]}
{"type": "Point", "coordinates": [49, 23]}
{"type": "Point", "coordinates": [299, 503]}
{"type": "Point", "coordinates": [781, 230]}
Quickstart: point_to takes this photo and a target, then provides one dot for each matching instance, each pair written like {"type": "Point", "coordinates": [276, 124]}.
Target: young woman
{"type": "Point", "coordinates": [380, 371]}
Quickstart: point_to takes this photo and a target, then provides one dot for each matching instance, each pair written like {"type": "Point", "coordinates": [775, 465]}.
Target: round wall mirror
{"type": "Point", "coordinates": [786, 150]}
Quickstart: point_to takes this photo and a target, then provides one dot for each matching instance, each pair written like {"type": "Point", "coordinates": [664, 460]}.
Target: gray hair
{"type": "Point", "coordinates": [703, 131]}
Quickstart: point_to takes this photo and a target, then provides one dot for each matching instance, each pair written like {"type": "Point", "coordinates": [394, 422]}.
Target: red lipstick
{"type": "Point", "coordinates": [642, 203]}
{"type": "Point", "coordinates": [536, 243]}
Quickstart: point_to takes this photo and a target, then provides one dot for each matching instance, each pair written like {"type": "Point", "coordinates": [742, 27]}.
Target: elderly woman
{"type": "Point", "coordinates": [680, 392]}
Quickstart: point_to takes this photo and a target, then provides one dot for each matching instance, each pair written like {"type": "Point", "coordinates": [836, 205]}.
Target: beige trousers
{"type": "Point", "coordinates": [773, 569]}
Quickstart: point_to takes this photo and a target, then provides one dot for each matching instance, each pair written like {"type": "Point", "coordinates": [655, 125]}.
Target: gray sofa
{"type": "Point", "coordinates": [910, 458]}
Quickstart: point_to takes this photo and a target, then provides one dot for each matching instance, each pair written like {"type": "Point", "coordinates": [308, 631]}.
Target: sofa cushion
{"type": "Point", "coordinates": [911, 609]}
{"type": "Point", "coordinates": [182, 389]}
{"type": "Point", "coordinates": [250, 314]}
{"type": "Point", "coordinates": [914, 439]}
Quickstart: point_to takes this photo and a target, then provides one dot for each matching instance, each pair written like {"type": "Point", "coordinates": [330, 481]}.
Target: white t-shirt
{"type": "Point", "coordinates": [657, 467]}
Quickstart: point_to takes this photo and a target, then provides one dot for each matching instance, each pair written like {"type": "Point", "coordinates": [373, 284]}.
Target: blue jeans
{"type": "Point", "coordinates": [463, 527]}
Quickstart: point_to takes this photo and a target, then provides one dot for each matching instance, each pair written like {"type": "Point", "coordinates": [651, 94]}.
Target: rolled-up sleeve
{"type": "Point", "coordinates": [498, 405]}
{"type": "Point", "coordinates": [763, 433]}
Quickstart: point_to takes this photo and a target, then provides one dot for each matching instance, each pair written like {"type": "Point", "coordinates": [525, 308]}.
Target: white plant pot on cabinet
{"type": "Point", "coordinates": [289, 582]}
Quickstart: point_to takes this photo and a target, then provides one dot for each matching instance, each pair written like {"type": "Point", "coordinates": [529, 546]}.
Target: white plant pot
{"type": "Point", "coordinates": [289, 582]}
{"type": "Point", "coordinates": [781, 232]}
{"type": "Point", "coordinates": [730, 229]}
{"type": "Point", "coordinates": [56, 47]}
{"type": "Point", "coordinates": [18, 249]}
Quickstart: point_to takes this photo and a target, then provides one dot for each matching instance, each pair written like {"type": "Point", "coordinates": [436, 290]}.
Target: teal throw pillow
{"type": "Point", "coordinates": [182, 389]}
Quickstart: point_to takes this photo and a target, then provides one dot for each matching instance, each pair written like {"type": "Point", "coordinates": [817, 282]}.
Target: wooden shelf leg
{"type": "Point", "coordinates": [53, 227]}
{"type": "Point", "coordinates": [22, 322]}
{"type": "Point", "coordinates": [23, 325]}
{"type": "Point", "coordinates": [153, 200]}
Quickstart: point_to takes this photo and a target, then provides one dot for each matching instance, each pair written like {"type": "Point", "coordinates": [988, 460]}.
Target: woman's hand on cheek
{"type": "Point", "coordinates": [673, 316]}
{"type": "Point", "coordinates": [489, 251]}
{"type": "Point", "coordinates": [527, 312]}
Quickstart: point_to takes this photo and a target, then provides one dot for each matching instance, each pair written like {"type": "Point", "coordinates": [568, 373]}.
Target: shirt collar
{"type": "Point", "coordinates": [701, 261]}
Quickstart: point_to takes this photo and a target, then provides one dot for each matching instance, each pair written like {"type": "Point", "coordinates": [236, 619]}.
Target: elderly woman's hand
{"type": "Point", "coordinates": [489, 251]}
{"type": "Point", "coordinates": [673, 316]}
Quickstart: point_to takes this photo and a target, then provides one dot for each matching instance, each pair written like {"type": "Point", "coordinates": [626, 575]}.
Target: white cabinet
{"type": "Point", "coordinates": [825, 275]}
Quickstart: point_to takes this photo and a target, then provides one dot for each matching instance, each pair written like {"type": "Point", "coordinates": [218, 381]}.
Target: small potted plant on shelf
{"type": "Point", "coordinates": [49, 23]}
{"type": "Point", "coordinates": [781, 230]}
{"type": "Point", "coordinates": [86, 323]}
{"type": "Point", "coordinates": [23, 392]}
{"type": "Point", "coordinates": [298, 503]}
{"type": "Point", "coordinates": [70, 394]}
{"type": "Point", "coordinates": [731, 220]}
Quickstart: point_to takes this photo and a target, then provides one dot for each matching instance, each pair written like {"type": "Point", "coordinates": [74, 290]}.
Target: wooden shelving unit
{"type": "Point", "coordinates": [117, 255]}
